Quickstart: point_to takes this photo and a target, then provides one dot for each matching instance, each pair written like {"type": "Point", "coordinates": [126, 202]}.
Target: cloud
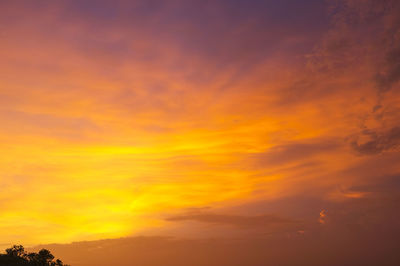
{"type": "Point", "coordinates": [378, 142]}
{"type": "Point", "coordinates": [362, 47]}
{"type": "Point", "coordinates": [133, 109]}
{"type": "Point", "coordinates": [390, 75]}
{"type": "Point", "coordinates": [322, 217]}
{"type": "Point", "coordinates": [384, 186]}
{"type": "Point", "coordinates": [366, 34]}
{"type": "Point", "coordinates": [326, 248]}
{"type": "Point", "coordinates": [294, 152]}
{"type": "Point", "coordinates": [244, 222]}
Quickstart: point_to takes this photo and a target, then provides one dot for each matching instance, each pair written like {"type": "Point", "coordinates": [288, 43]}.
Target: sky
{"type": "Point", "coordinates": [201, 128]}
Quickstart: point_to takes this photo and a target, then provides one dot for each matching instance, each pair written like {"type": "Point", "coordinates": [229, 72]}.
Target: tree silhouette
{"type": "Point", "coordinates": [16, 256]}
{"type": "Point", "coordinates": [15, 251]}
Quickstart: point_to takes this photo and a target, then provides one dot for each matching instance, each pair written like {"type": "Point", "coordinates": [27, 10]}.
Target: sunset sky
{"type": "Point", "coordinates": [254, 120]}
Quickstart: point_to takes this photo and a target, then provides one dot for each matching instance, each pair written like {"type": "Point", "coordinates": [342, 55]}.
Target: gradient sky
{"type": "Point", "coordinates": [199, 119]}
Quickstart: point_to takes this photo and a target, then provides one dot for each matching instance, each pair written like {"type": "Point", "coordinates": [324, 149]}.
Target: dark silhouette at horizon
{"type": "Point", "coordinates": [16, 255]}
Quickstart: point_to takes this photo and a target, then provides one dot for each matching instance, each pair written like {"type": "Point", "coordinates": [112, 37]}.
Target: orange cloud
{"type": "Point", "coordinates": [116, 115]}
{"type": "Point", "coordinates": [322, 217]}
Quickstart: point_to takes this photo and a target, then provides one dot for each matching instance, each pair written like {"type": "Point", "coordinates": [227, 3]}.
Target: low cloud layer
{"type": "Point", "coordinates": [246, 222]}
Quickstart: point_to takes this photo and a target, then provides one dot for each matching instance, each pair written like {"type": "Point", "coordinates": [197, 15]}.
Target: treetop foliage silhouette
{"type": "Point", "coordinates": [16, 256]}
